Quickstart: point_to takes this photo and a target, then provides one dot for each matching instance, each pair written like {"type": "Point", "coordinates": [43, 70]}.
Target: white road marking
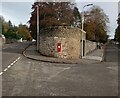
{"type": "Point", "coordinates": [11, 63]}
{"type": "Point", "coordinates": [1, 73]}
{"type": "Point", "coordinates": [58, 73]}
{"type": "Point", "coordinates": [102, 54]}
{"type": "Point", "coordinates": [10, 47]}
{"type": "Point", "coordinates": [5, 48]}
{"type": "Point", "coordinates": [112, 68]}
{"type": "Point", "coordinates": [5, 69]}
{"type": "Point", "coordinates": [9, 66]}
{"type": "Point", "coordinates": [15, 61]}
{"type": "Point", "coordinates": [29, 62]}
{"type": "Point", "coordinates": [67, 68]}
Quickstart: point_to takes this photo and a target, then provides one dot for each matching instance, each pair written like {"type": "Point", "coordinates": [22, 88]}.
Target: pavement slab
{"type": "Point", "coordinates": [93, 57]}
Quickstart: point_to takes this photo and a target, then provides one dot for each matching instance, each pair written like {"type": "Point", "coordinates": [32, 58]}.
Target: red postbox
{"type": "Point", "coordinates": [59, 47]}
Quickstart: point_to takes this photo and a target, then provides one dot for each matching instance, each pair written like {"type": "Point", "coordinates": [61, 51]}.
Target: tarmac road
{"type": "Point", "coordinates": [34, 78]}
{"type": "Point", "coordinates": [10, 52]}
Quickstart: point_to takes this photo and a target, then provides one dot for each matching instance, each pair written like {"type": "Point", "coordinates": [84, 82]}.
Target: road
{"type": "Point", "coordinates": [34, 78]}
{"type": "Point", "coordinates": [11, 52]}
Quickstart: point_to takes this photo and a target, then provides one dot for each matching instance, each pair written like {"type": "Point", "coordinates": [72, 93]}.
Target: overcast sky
{"type": "Point", "coordinates": [19, 12]}
{"type": "Point", "coordinates": [110, 9]}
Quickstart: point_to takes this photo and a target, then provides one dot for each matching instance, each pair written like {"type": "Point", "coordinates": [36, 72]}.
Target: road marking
{"type": "Point", "coordinates": [5, 69]}
{"type": "Point", "coordinates": [29, 62]}
{"type": "Point", "coordinates": [5, 48]}
{"type": "Point", "coordinates": [1, 73]}
{"type": "Point", "coordinates": [67, 68]}
{"type": "Point", "coordinates": [12, 63]}
{"type": "Point", "coordinates": [9, 66]}
{"type": "Point", "coordinates": [10, 47]}
{"type": "Point", "coordinates": [58, 73]}
{"type": "Point", "coordinates": [112, 68]}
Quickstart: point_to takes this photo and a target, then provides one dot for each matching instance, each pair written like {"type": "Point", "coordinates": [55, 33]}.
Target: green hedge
{"type": "Point", "coordinates": [12, 35]}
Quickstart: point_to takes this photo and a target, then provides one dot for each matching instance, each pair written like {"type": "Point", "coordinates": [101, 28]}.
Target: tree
{"type": "Point", "coordinates": [10, 27]}
{"type": "Point", "coordinates": [52, 14]}
{"type": "Point", "coordinates": [1, 24]}
{"type": "Point", "coordinates": [117, 31]}
{"type": "Point", "coordinates": [4, 25]}
{"type": "Point", "coordinates": [77, 17]}
{"type": "Point", "coordinates": [8, 30]}
{"type": "Point", "coordinates": [96, 24]}
{"type": "Point", "coordinates": [12, 35]}
{"type": "Point", "coordinates": [23, 31]}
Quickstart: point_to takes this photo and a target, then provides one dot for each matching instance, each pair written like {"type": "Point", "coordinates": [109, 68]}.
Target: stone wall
{"type": "Point", "coordinates": [70, 47]}
{"type": "Point", "coordinates": [2, 40]}
{"type": "Point", "coordinates": [90, 46]}
{"type": "Point", "coordinates": [69, 39]}
{"type": "Point", "coordinates": [8, 41]}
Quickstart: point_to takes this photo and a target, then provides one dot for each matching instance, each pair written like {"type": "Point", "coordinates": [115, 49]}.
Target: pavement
{"type": "Point", "coordinates": [95, 56]}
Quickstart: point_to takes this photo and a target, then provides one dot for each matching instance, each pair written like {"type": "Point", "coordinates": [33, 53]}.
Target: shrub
{"type": "Point", "coordinates": [12, 35]}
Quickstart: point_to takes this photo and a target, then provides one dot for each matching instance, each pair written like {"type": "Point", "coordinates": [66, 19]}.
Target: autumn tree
{"type": "Point", "coordinates": [13, 32]}
{"type": "Point", "coordinates": [96, 24]}
{"type": "Point", "coordinates": [52, 14]}
{"type": "Point", "coordinates": [23, 31]}
{"type": "Point", "coordinates": [7, 26]}
{"type": "Point", "coordinates": [117, 31]}
{"type": "Point", "coordinates": [4, 24]}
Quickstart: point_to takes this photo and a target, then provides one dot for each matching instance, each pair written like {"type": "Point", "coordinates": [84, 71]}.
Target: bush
{"type": "Point", "coordinates": [12, 35]}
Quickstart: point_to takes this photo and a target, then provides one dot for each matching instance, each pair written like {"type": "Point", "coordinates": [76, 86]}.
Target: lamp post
{"type": "Point", "coordinates": [37, 6]}
{"type": "Point", "coordinates": [83, 27]}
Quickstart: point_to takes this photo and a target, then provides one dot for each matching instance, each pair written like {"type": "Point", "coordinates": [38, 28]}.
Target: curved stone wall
{"type": "Point", "coordinates": [69, 39]}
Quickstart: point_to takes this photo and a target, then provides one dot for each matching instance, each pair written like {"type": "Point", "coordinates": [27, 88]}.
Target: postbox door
{"type": "Point", "coordinates": [59, 47]}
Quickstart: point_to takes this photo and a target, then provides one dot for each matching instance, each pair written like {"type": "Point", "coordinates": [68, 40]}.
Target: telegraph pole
{"type": "Point", "coordinates": [37, 27]}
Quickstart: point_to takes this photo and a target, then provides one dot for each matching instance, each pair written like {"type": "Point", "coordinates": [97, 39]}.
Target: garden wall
{"type": "Point", "coordinates": [90, 46]}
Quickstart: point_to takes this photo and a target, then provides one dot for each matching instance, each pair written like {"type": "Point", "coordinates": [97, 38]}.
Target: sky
{"type": "Point", "coordinates": [20, 11]}
{"type": "Point", "coordinates": [17, 12]}
{"type": "Point", "coordinates": [110, 9]}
